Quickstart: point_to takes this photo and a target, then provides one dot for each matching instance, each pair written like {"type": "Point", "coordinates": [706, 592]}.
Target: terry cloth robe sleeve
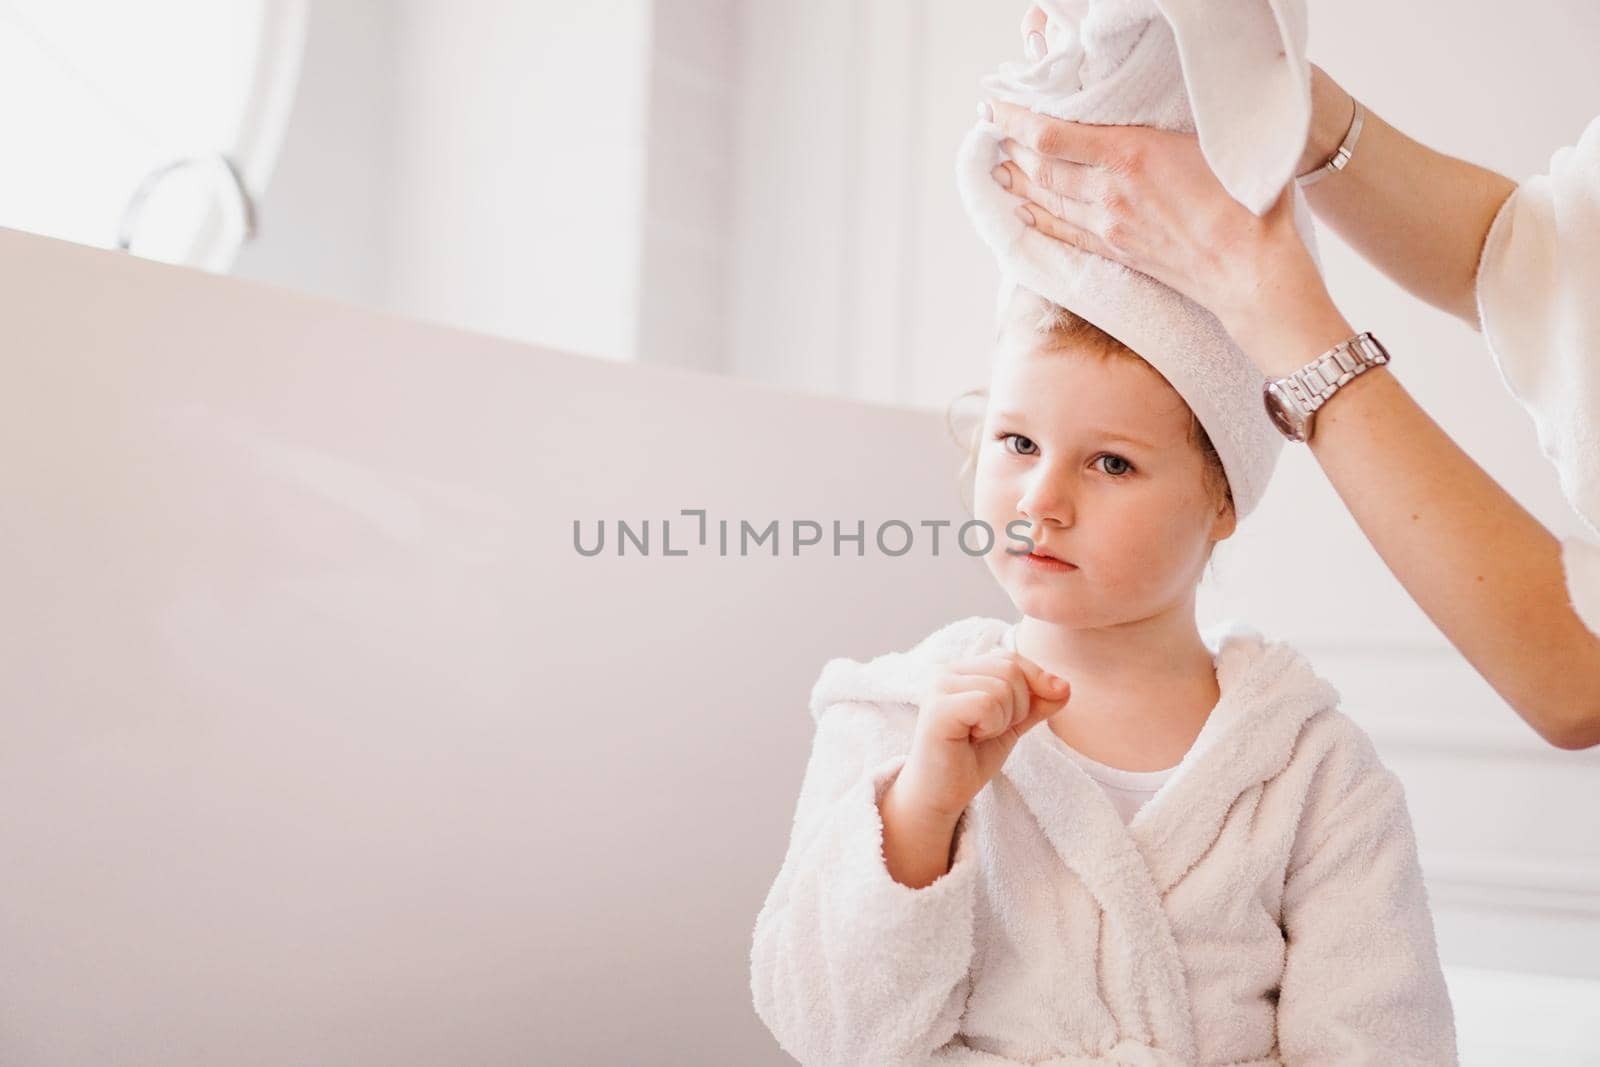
{"type": "Point", "coordinates": [848, 966]}
{"type": "Point", "coordinates": [1362, 981]}
{"type": "Point", "coordinates": [1536, 285]}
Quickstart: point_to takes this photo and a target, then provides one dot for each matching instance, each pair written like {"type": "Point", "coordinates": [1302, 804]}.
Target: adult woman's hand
{"type": "Point", "coordinates": [1147, 199]}
{"type": "Point", "coordinates": [1416, 214]}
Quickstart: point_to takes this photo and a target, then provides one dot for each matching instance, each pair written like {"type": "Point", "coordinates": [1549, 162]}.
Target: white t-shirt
{"type": "Point", "coordinates": [1127, 790]}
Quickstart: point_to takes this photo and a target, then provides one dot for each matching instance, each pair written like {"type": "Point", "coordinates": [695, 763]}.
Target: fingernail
{"type": "Point", "coordinates": [1034, 45]}
{"type": "Point", "coordinates": [1002, 176]}
{"type": "Point", "coordinates": [1054, 682]}
{"type": "Point", "coordinates": [985, 112]}
{"type": "Point", "coordinates": [1025, 215]}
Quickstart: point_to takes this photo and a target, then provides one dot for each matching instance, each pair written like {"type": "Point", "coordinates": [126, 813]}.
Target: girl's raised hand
{"type": "Point", "coordinates": [969, 719]}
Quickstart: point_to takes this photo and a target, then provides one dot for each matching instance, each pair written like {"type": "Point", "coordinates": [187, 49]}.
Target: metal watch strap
{"type": "Point", "coordinates": [1341, 156]}
{"type": "Point", "coordinates": [1313, 384]}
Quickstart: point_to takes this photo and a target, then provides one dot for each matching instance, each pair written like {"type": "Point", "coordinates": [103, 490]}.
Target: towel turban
{"type": "Point", "coordinates": [1232, 71]}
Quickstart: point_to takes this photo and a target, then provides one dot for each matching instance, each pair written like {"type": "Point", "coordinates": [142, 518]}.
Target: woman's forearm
{"type": "Point", "coordinates": [1417, 215]}
{"type": "Point", "coordinates": [1487, 573]}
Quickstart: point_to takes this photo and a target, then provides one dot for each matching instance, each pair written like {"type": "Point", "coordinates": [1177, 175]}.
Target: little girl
{"type": "Point", "coordinates": [1183, 854]}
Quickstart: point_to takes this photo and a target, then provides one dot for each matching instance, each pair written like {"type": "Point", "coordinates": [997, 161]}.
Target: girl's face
{"type": "Point", "coordinates": [1092, 454]}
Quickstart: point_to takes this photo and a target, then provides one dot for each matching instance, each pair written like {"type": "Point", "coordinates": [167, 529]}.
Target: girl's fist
{"type": "Point", "coordinates": [969, 719]}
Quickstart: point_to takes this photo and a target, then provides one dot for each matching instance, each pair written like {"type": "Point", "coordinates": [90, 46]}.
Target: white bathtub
{"type": "Point", "coordinates": [1507, 1019]}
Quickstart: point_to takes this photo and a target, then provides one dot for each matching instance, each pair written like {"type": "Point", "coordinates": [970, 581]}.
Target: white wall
{"type": "Point", "coordinates": [519, 177]}
{"type": "Point", "coordinates": [549, 172]}
{"type": "Point", "coordinates": [479, 164]}
{"type": "Point", "coordinates": [684, 266]}
{"type": "Point", "coordinates": [326, 220]}
{"type": "Point", "coordinates": [855, 268]}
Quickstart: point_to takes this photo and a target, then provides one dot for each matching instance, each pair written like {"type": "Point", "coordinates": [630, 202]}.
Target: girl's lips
{"type": "Point", "coordinates": [1049, 563]}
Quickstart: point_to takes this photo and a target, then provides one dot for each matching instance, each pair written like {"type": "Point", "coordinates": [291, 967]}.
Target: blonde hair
{"type": "Point", "coordinates": [1040, 319]}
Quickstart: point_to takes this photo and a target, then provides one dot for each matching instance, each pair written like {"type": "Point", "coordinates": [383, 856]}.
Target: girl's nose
{"type": "Point", "coordinates": [1045, 502]}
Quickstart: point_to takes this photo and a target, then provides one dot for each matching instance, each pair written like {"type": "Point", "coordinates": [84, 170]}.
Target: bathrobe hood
{"type": "Point", "coordinates": [1268, 694]}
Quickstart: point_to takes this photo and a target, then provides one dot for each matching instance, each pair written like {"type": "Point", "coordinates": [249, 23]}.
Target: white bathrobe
{"type": "Point", "coordinates": [1538, 291]}
{"type": "Point", "coordinates": [1265, 907]}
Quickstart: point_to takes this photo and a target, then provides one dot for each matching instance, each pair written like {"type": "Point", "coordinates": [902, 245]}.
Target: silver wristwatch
{"type": "Point", "coordinates": [1293, 401]}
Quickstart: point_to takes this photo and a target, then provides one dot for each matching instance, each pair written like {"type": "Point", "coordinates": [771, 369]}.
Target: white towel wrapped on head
{"type": "Point", "coordinates": [1234, 71]}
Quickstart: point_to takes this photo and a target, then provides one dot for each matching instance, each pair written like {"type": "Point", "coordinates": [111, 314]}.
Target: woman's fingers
{"type": "Point", "coordinates": [1048, 181]}
{"type": "Point", "coordinates": [1065, 195]}
{"type": "Point", "coordinates": [1033, 23]}
{"type": "Point", "coordinates": [1066, 192]}
{"type": "Point", "coordinates": [1078, 229]}
{"type": "Point", "coordinates": [1075, 141]}
{"type": "Point", "coordinates": [1057, 175]}
{"type": "Point", "coordinates": [1143, 197]}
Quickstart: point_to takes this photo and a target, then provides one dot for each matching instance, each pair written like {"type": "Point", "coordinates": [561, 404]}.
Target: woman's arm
{"type": "Point", "coordinates": [1417, 215]}
{"type": "Point", "coordinates": [1487, 573]}
{"type": "Point", "coordinates": [1483, 569]}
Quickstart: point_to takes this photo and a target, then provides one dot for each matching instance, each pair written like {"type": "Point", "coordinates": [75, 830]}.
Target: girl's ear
{"type": "Point", "coordinates": [1225, 524]}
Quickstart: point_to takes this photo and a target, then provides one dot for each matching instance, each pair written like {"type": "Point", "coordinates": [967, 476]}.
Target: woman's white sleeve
{"type": "Point", "coordinates": [848, 966]}
{"type": "Point", "coordinates": [1362, 981]}
{"type": "Point", "coordinates": [1537, 281]}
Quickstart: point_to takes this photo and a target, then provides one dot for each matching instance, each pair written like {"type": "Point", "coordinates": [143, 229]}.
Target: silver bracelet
{"type": "Point", "coordinates": [1341, 156]}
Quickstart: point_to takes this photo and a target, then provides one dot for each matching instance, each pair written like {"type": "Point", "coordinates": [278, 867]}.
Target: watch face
{"type": "Point", "coordinates": [1285, 414]}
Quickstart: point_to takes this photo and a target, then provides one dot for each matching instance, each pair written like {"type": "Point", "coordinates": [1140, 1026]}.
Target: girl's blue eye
{"type": "Point", "coordinates": [1019, 437]}
{"type": "Point", "coordinates": [1119, 466]}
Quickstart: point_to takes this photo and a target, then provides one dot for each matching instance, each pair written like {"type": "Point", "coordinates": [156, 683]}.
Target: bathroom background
{"type": "Point", "coordinates": [324, 744]}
